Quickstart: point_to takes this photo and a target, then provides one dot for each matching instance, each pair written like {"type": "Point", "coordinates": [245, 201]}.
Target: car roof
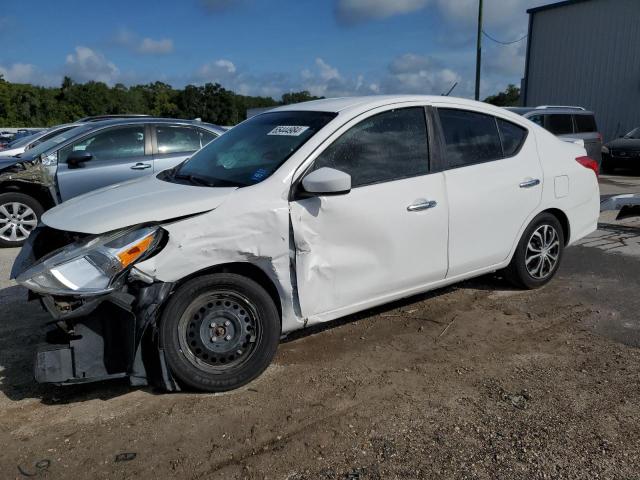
{"type": "Point", "coordinates": [354, 106]}
{"type": "Point", "coordinates": [156, 120]}
{"type": "Point", "coordinates": [364, 103]}
{"type": "Point", "coordinates": [556, 111]}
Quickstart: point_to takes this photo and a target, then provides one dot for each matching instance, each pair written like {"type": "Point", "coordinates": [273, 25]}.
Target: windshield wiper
{"type": "Point", "coordinates": [193, 179]}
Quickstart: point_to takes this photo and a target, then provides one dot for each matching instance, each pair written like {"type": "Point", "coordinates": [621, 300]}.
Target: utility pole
{"type": "Point", "coordinates": [479, 50]}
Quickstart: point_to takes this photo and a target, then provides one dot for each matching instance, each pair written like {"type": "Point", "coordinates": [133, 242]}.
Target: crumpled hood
{"type": "Point", "coordinates": [138, 201]}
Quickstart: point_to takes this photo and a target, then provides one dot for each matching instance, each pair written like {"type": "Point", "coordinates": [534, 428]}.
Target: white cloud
{"type": "Point", "coordinates": [155, 47]}
{"type": "Point", "coordinates": [19, 73]}
{"type": "Point", "coordinates": [327, 72]}
{"type": "Point", "coordinates": [219, 71]}
{"type": "Point", "coordinates": [356, 11]}
{"type": "Point", "coordinates": [86, 65]}
{"type": "Point", "coordinates": [145, 46]}
{"type": "Point", "coordinates": [413, 73]}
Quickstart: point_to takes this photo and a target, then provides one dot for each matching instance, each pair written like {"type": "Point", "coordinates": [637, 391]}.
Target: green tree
{"type": "Point", "coordinates": [297, 97]}
{"type": "Point", "coordinates": [510, 97]}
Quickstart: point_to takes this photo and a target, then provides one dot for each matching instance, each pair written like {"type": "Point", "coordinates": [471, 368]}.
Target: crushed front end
{"type": "Point", "coordinates": [104, 310]}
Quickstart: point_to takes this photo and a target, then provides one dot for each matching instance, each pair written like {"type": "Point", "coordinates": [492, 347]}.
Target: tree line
{"type": "Point", "coordinates": [25, 105]}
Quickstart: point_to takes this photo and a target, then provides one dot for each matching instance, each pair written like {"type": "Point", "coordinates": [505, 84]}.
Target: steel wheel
{"type": "Point", "coordinates": [17, 221]}
{"type": "Point", "coordinates": [219, 331]}
{"type": "Point", "coordinates": [542, 252]}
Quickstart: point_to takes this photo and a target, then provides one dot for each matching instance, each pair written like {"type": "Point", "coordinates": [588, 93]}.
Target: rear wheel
{"type": "Point", "coordinates": [219, 332]}
{"type": "Point", "coordinates": [539, 252]}
{"type": "Point", "coordinates": [19, 216]}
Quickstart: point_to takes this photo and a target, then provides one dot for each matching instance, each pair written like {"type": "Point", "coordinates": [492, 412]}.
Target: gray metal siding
{"type": "Point", "coordinates": [588, 54]}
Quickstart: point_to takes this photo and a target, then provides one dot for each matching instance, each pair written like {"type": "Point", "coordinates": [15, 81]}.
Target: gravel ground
{"type": "Point", "coordinates": [475, 381]}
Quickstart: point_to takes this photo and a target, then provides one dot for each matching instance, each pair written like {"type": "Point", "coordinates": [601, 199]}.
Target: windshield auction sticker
{"type": "Point", "coordinates": [288, 130]}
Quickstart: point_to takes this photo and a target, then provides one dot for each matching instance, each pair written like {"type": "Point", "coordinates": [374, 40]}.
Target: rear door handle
{"type": "Point", "coordinates": [141, 166]}
{"type": "Point", "coordinates": [421, 205]}
{"type": "Point", "coordinates": [530, 183]}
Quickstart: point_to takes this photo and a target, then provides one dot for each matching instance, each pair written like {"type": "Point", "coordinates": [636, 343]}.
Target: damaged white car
{"type": "Point", "coordinates": [300, 215]}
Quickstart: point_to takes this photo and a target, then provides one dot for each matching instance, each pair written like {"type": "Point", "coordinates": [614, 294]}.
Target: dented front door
{"type": "Point", "coordinates": [368, 245]}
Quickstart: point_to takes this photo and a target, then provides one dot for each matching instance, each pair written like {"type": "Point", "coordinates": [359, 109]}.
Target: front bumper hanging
{"type": "Point", "coordinates": [99, 338]}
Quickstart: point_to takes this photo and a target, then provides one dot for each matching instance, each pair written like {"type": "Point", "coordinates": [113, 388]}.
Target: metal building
{"type": "Point", "coordinates": [586, 53]}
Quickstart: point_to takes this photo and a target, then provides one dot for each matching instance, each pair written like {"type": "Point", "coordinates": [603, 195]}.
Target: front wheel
{"type": "Point", "coordinates": [538, 255]}
{"type": "Point", "coordinates": [219, 332]}
{"type": "Point", "coordinates": [19, 216]}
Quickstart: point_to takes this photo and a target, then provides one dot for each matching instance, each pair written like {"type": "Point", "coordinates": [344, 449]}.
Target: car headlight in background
{"type": "Point", "coordinates": [605, 150]}
{"type": "Point", "coordinates": [89, 267]}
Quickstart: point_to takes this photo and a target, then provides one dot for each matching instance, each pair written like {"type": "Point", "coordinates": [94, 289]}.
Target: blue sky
{"type": "Point", "coordinates": [265, 47]}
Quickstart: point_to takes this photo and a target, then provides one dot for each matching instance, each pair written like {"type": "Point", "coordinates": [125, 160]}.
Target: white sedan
{"type": "Point", "coordinates": [297, 216]}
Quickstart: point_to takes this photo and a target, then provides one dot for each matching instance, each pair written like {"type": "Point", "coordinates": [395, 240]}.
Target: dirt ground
{"type": "Point", "coordinates": [472, 381]}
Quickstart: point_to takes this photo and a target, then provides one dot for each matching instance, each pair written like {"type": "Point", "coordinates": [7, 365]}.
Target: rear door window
{"type": "Point", "coordinates": [470, 137]}
{"type": "Point", "coordinates": [206, 136]}
{"type": "Point", "coordinates": [559, 124]}
{"type": "Point", "coordinates": [512, 135]}
{"type": "Point", "coordinates": [585, 123]}
{"type": "Point", "coordinates": [175, 139]}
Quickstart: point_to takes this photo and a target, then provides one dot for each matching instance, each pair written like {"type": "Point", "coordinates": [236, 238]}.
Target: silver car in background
{"type": "Point", "coordinates": [569, 123]}
{"type": "Point", "coordinates": [87, 157]}
{"type": "Point", "coordinates": [23, 144]}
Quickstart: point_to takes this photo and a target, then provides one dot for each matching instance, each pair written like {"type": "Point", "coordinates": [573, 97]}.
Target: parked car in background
{"type": "Point", "coordinates": [23, 132]}
{"type": "Point", "coordinates": [297, 216]}
{"type": "Point", "coordinates": [569, 123]}
{"type": "Point", "coordinates": [19, 146]}
{"type": "Point", "coordinates": [5, 140]}
{"type": "Point", "coordinates": [87, 157]}
{"type": "Point", "coordinates": [97, 118]}
{"type": "Point", "coordinates": [623, 152]}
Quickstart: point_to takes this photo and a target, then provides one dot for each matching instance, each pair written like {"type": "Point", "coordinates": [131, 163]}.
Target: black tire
{"type": "Point", "coordinates": [7, 202]}
{"type": "Point", "coordinates": [517, 272]}
{"type": "Point", "coordinates": [194, 332]}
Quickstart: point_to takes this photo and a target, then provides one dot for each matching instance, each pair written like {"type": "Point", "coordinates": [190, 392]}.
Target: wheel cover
{"type": "Point", "coordinates": [17, 221]}
{"type": "Point", "coordinates": [543, 252]}
{"type": "Point", "coordinates": [219, 331]}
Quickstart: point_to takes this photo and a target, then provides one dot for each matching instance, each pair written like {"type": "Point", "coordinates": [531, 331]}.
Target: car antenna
{"type": "Point", "coordinates": [450, 90]}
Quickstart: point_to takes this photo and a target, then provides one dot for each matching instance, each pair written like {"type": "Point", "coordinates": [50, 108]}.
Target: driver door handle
{"type": "Point", "coordinates": [420, 205]}
{"type": "Point", "coordinates": [530, 183]}
{"type": "Point", "coordinates": [140, 166]}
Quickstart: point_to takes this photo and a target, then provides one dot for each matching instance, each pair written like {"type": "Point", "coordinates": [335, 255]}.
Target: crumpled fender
{"type": "Point", "coordinates": [246, 232]}
{"type": "Point", "coordinates": [30, 172]}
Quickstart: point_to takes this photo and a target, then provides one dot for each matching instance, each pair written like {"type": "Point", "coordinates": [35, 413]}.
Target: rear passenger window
{"type": "Point", "coordinates": [385, 147]}
{"type": "Point", "coordinates": [585, 123]}
{"type": "Point", "coordinates": [539, 119]}
{"type": "Point", "coordinates": [512, 136]}
{"type": "Point", "coordinates": [206, 137]}
{"type": "Point", "coordinates": [559, 124]}
{"type": "Point", "coordinates": [177, 139]}
{"type": "Point", "coordinates": [470, 137]}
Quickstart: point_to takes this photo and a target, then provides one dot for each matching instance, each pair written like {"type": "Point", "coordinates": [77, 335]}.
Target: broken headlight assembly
{"type": "Point", "coordinates": [93, 265]}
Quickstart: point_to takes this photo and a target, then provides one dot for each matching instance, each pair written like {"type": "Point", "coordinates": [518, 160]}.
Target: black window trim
{"type": "Point", "coordinates": [445, 162]}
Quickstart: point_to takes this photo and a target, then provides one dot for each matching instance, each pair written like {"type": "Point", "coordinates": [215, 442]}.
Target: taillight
{"type": "Point", "coordinates": [589, 163]}
{"type": "Point", "coordinates": [600, 137]}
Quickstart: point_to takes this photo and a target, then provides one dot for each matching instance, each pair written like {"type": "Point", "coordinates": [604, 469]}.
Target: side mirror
{"type": "Point", "coordinates": [327, 181]}
{"type": "Point", "coordinates": [77, 158]}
